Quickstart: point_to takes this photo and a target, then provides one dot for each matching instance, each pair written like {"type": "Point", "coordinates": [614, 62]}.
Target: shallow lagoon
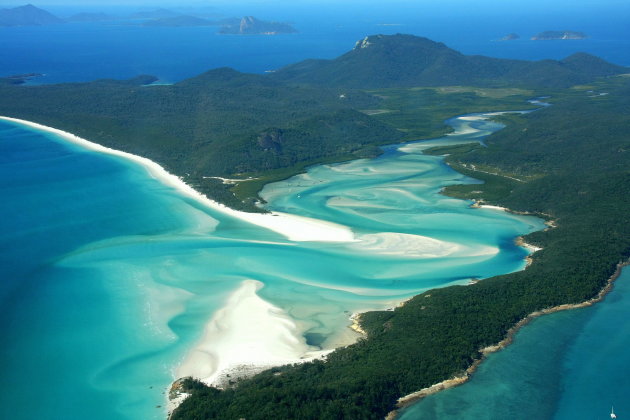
{"type": "Point", "coordinates": [110, 276]}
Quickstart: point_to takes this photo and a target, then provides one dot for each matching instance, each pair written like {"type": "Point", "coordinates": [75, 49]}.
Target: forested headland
{"type": "Point", "coordinates": [567, 163]}
{"type": "Point", "coordinates": [242, 126]}
{"type": "Point", "coordinates": [573, 161]}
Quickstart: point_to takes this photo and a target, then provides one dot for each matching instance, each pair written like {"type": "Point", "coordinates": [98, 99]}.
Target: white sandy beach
{"type": "Point", "coordinates": [249, 334]}
{"type": "Point", "coordinates": [405, 245]}
{"type": "Point", "coordinates": [467, 129]}
{"type": "Point", "coordinates": [488, 206]}
{"type": "Point", "coordinates": [295, 228]}
{"type": "Point", "coordinates": [473, 117]}
{"type": "Point", "coordinates": [245, 336]}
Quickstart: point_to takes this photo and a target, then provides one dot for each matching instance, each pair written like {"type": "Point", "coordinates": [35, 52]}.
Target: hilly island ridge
{"type": "Point", "coordinates": [27, 15]}
{"type": "Point", "coordinates": [30, 15]}
{"type": "Point", "coordinates": [387, 89]}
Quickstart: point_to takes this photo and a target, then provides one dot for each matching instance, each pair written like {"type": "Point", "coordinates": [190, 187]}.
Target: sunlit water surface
{"type": "Point", "coordinates": [567, 365]}
{"type": "Point", "coordinates": [109, 276]}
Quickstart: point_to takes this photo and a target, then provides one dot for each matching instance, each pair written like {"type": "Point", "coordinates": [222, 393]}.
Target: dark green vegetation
{"type": "Point", "coordinates": [568, 162]}
{"type": "Point", "coordinates": [573, 158]}
{"type": "Point", "coordinates": [225, 123]}
{"type": "Point", "coordinates": [420, 112]}
{"type": "Point", "coordinates": [404, 60]}
{"type": "Point", "coordinates": [221, 123]}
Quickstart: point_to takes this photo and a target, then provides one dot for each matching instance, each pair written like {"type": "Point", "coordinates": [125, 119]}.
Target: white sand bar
{"type": "Point", "coordinates": [405, 245]}
{"type": "Point", "coordinates": [245, 336]}
{"type": "Point", "coordinates": [488, 206]}
{"type": "Point", "coordinates": [295, 228]}
{"type": "Point", "coordinates": [474, 117]}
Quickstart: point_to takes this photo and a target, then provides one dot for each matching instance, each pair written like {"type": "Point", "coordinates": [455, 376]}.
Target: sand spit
{"type": "Point", "coordinates": [405, 245]}
{"type": "Point", "coordinates": [246, 336]}
{"type": "Point", "coordinates": [295, 228]}
{"type": "Point", "coordinates": [509, 337]}
{"type": "Point", "coordinates": [249, 334]}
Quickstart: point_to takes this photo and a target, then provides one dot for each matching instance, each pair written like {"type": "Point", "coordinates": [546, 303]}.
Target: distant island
{"type": "Point", "coordinates": [249, 25]}
{"type": "Point", "coordinates": [510, 37]}
{"type": "Point", "coordinates": [548, 35]}
{"type": "Point", "coordinates": [18, 79]}
{"type": "Point", "coordinates": [182, 20]}
{"type": "Point", "coordinates": [27, 15]}
{"type": "Point", "coordinates": [382, 61]}
{"type": "Point", "coordinates": [154, 14]}
{"type": "Point", "coordinates": [90, 17]}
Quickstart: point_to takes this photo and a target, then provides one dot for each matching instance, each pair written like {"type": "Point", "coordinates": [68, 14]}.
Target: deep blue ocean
{"type": "Point", "coordinates": [124, 48]}
{"type": "Point", "coordinates": [109, 276]}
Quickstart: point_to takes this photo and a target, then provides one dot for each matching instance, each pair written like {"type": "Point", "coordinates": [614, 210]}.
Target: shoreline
{"type": "Point", "coordinates": [356, 324]}
{"type": "Point", "coordinates": [293, 227]}
{"type": "Point", "coordinates": [460, 379]}
{"type": "Point", "coordinates": [244, 337]}
{"type": "Point", "coordinates": [213, 359]}
{"type": "Point", "coordinates": [519, 240]}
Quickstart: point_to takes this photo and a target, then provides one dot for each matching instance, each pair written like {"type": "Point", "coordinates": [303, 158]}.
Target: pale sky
{"type": "Point", "coordinates": [456, 7]}
{"type": "Point", "coordinates": [531, 3]}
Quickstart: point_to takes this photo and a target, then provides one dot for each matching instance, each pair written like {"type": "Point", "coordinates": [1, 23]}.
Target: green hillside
{"type": "Point", "coordinates": [574, 159]}
{"type": "Point", "coordinates": [221, 123]}
{"type": "Point", "coordinates": [235, 125]}
{"type": "Point", "coordinates": [571, 159]}
{"type": "Point", "coordinates": [381, 61]}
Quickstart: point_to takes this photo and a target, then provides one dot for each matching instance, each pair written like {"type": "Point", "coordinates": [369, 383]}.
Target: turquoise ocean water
{"type": "Point", "coordinates": [567, 365]}
{"type": "Point", "coordinates": [109, 276]}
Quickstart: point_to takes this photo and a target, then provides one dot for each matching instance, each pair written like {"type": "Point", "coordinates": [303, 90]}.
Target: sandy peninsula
{"type": "Point", "coordinates": [245, 336]}
{"type": "Point", "coordinates": [249, 334]}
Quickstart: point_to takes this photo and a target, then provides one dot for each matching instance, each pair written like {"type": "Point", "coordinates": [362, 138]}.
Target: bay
{"type": "Point", "coordinates": [123, 48]}
{"type": "Point", "coordinates": [111, 276]}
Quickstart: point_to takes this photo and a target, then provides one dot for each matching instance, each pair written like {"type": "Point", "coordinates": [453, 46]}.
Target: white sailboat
{"type": "Point", "coordinates": [612, 413]}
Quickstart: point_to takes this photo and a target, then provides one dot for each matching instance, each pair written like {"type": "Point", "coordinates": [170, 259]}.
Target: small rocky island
{"type": "Point", "coordinates": [548, 35]}
{"type": "Point", "coordinates": [510, 37]}
{"type": "Point", "coordinates": [249, 25]}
